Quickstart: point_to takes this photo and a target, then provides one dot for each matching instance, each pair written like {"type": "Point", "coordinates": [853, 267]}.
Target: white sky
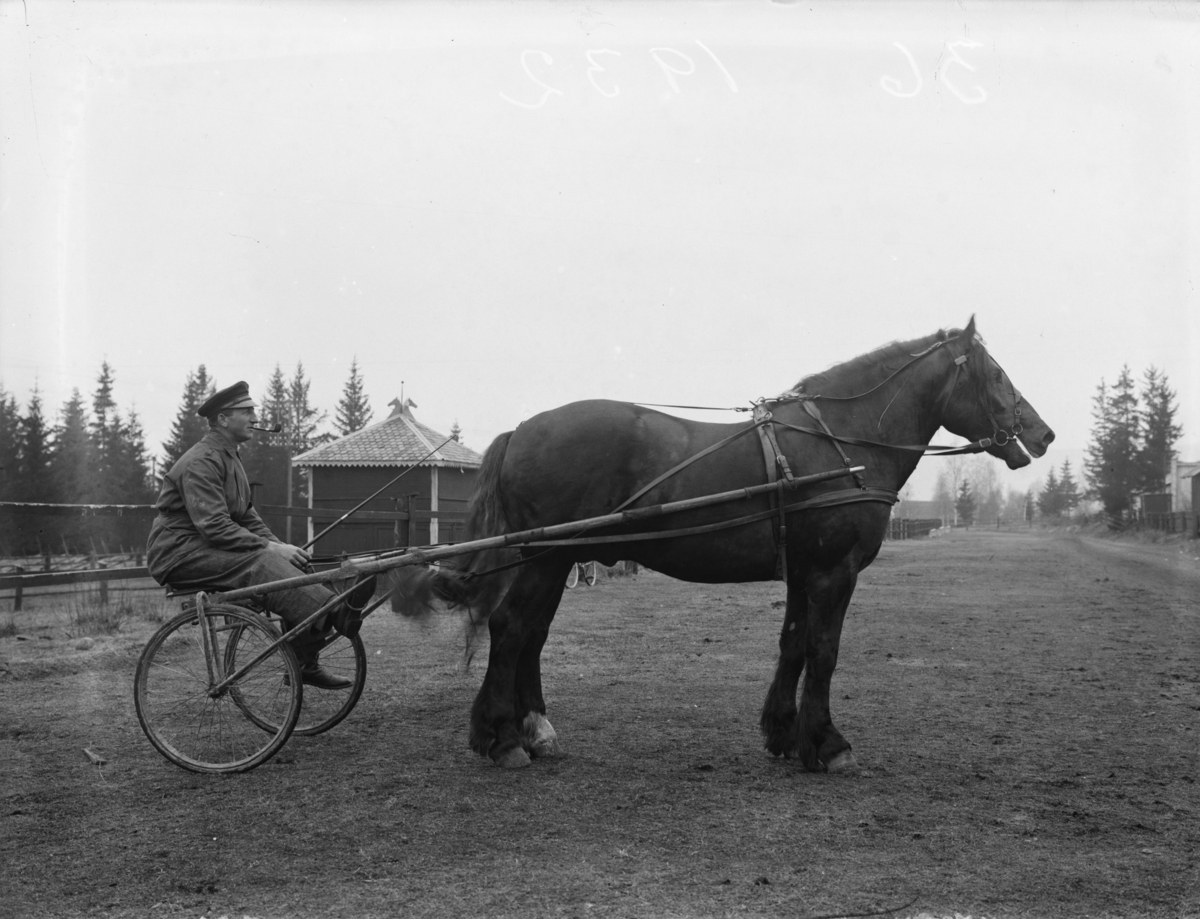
{"type": "Point", "coordinates": [513, 206]}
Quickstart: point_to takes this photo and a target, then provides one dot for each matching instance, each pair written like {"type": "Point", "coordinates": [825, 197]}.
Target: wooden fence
{"type": "Point", "coordinates": [1174, 522]}
{"type": "Point", "coordinates": [22, 576]}
{"type": "Point", "coordinates": [906, 528]}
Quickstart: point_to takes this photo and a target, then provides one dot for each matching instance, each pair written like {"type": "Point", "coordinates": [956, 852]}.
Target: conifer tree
{"type": "Point", "coordinates": [1159, 431]}
{"type": "Point", "coordinates": [1068, 490]}
{"type": "Point", "coordinates": [1112, 455]}
{"type": "Point", "coordinates": [353, 411]}
{"type": "Point", "coordinates": [10, 432]}
{"type": "Point", "coordinates": [304, 418]}
{"type": "Point", "coordinates": [1050, 499]}
{"type": "Point", "coordinates": [965, 504]}
{"type": "Point", "coordinates": [455, 432]}
{"type": "Point", "coordinates": [10, 437]}
{"type": "Point", "coordinates": [102, 406]}
{"type": "Point", "coordinates": [69, 467]}
{"type": "Point", "coordinates": [69, 459]}
{"type": "Point", "coordinates": [188, 427]}
{"type": "Point", "coordinates": [34, 465]}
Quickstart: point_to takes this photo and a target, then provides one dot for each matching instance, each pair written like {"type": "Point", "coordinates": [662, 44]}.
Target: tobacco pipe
{"type": "Point", "coordinates": [274, 429]}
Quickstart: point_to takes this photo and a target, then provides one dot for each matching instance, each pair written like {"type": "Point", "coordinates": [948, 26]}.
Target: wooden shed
{"type": "Point", "coordinates": [432, 494]}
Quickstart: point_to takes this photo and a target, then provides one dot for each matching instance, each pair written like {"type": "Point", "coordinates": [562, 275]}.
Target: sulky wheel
{"type": "Point", "coordinates": [589, 573]}
{"type": "Point", "coordinates": [203, 729]}
{"type": "Point", "coordinates": [322, 708]}
{"type": "Point", "coordinates": [573, 577]}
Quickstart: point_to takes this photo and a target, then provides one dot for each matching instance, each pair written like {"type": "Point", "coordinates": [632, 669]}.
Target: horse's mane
{"type": "Point", "coordinates": [868, 369]}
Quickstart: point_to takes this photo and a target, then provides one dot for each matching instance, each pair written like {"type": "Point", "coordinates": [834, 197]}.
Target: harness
{"type": "Point", "coordinates": [779, 471]}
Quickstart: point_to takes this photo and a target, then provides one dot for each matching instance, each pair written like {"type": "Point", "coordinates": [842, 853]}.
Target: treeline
{"type": "Point", "coordinates": [91, 453]}
{"type": "Point", "coordinates": [1133, 440]}
{"type": "Point", "coordinates": [1129, 454]}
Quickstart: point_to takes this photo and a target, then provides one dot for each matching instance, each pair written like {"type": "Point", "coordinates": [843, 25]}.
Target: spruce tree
{"type": "Point", "coordinates": [10, 431]}
{"type": "Point", "coordinates": [1068, 490]}
{"type": "Point", "coordinates": [1112, 455]}
{"type": "Point", "coordinates": [102, 407]}
{"type": "Point", "coordinates": [10, 437]}
{"type": "Point", "coordinates": [304, 418]}
{"type": "Point", "coordinates": [353, 411]}
{"type": "Point", "coordinates": [36, 483]}
{"type": "Point", "coordinates": [1050, 499]}
{"type": "Point", "coordinates": [275, 410]}
{"type": "Point", "coordinates": [965, 504]}
{"type": "Point", "coordinates": [188, 427]}
{"type": "Point", "coordinates": [69, 467]}
{"type": "Point", "coordinates": [1159, 431]}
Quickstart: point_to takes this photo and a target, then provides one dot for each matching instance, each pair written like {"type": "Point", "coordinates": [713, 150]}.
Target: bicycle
{"type": "Point", "coordinates": [587, 571]}
{"type": "Point", "coordinates": [218, 688]}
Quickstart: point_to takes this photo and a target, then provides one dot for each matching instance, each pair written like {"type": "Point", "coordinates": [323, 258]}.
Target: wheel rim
{"type": "Point", "coordinates": [321, 708]}
{"type": "Point", "coordinates": [197, 731]}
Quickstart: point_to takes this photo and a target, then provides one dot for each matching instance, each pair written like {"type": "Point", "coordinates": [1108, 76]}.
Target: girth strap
{"type": "Point", "coordinates": [776, 462]}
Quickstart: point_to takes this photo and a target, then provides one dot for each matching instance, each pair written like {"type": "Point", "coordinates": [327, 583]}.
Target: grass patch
{"type": "Point", "coordinates": [8, 628]}
{"type": "Point", "coordinates": [88, 615]}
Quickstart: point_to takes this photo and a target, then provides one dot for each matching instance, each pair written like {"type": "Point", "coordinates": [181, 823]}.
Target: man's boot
{"type": "Point", "coordinates": [307, 648]}
{"type": "Point", "coordinates": [348, 619]}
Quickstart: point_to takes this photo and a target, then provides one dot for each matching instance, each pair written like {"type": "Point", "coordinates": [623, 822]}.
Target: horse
{"type": "Point", "coordinates": [879, 411]}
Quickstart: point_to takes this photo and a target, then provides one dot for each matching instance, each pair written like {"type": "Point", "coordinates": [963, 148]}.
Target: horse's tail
{"type": "Point", "coordinates": [466, 581]}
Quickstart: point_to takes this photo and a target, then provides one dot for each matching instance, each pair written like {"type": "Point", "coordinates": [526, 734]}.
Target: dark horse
{"type": "Point", "coordinates": [588, 459]}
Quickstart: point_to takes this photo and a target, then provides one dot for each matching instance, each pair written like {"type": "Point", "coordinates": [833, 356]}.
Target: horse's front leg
{"type": "Point", "coordinates": [820, 746]}
{"type": "Point", "coordinates": [778, 720]}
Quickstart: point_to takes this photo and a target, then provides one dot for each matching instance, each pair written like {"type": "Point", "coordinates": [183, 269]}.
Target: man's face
{"type": "Point", "coordinates": [237, 423]}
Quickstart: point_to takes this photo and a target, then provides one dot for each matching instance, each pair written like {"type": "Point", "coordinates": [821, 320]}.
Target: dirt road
{"type": "Point", "coordinates": [1026, 708]}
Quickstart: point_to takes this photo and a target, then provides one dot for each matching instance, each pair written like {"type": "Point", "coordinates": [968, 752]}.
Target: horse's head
{"type": "Point", "coordinates": [984, 403]}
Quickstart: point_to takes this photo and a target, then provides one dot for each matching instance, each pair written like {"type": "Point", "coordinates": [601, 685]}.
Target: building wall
{"type": "Point", "coordinates": [343, 487]}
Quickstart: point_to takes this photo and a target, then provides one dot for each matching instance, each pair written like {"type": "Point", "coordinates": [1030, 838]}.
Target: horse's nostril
{"type": "Point", "coordinates": [1048, 438]}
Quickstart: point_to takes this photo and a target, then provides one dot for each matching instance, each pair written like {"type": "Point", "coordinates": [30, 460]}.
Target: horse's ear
{"type": "Point", "coordinates": [969, 331]}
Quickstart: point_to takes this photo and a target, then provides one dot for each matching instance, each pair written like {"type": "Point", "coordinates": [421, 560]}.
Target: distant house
{"type": "Point", "coordinates": [433, 492]}
{"type": "Point", "coordinates": [1183, 491]}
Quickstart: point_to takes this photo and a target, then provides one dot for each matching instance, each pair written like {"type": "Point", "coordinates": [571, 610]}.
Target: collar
{"type": "Point", "coordinates": [217, 439]}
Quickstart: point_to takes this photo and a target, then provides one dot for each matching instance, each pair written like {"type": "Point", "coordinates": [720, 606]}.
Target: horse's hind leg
{"type": "Point", "coordinates": [522, 619]}
{"type": "Point", "coordinates": [778, 721]}
{"type": "Point", "coordinates": [538, 736]}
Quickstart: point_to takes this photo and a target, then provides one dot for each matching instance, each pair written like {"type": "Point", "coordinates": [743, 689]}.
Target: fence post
{"type": "Point", "coordinates": [18, 596]}
{"type": "Point", "coordinates": [103, 588]}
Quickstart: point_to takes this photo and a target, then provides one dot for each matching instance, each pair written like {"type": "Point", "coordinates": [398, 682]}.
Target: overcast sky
{"type": "Point", "coordinates": [506, 207]}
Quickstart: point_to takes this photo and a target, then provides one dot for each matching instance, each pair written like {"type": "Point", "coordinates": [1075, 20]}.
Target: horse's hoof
{"type": "Point", "coordinates": [844, 764]}
{"type": "Point", "coordinates": [513, 758]}
{"type": "Point", "coordinates": [539, 737]}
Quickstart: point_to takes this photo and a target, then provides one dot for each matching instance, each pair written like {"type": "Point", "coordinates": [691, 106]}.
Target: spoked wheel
{"type": "Point", "coordinates": [589, 573]}
{"type": "Point", "coordinates": [198, 730]}
{"type": "Point", "coordinates": [322, 708]}
{"type": "Point", "coordinates": [573, 577]}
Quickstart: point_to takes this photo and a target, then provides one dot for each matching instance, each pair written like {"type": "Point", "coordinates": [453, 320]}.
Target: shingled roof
{"type": "Point", "coordinates": [400, 440]}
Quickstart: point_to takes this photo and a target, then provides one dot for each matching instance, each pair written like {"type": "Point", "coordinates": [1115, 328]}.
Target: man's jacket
{"type": "Point", "coordinates": [204, 505]}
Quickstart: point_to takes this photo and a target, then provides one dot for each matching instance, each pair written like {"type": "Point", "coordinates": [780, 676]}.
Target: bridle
{"type": "Point", "coordinates": [1000, 435]}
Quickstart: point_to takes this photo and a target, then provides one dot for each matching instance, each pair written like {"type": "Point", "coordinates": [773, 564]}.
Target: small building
{"type": "Point", "coordinates": [439, 475]}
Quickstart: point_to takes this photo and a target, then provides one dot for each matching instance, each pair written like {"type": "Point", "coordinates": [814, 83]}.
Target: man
{"type": "Point", "coordinates": [208, 536]}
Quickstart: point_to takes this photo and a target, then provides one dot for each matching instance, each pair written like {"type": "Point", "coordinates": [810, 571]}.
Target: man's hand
{"type": "Point", "coordinates": [292, 554]}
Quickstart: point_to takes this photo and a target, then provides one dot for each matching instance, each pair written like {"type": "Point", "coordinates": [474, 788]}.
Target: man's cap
{"type": "Point", "coordinates": [235, 396]}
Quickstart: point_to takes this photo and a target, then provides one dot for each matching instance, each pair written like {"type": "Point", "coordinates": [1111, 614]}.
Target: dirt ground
{"type": "Point", "coordinates": [1026, 708]}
